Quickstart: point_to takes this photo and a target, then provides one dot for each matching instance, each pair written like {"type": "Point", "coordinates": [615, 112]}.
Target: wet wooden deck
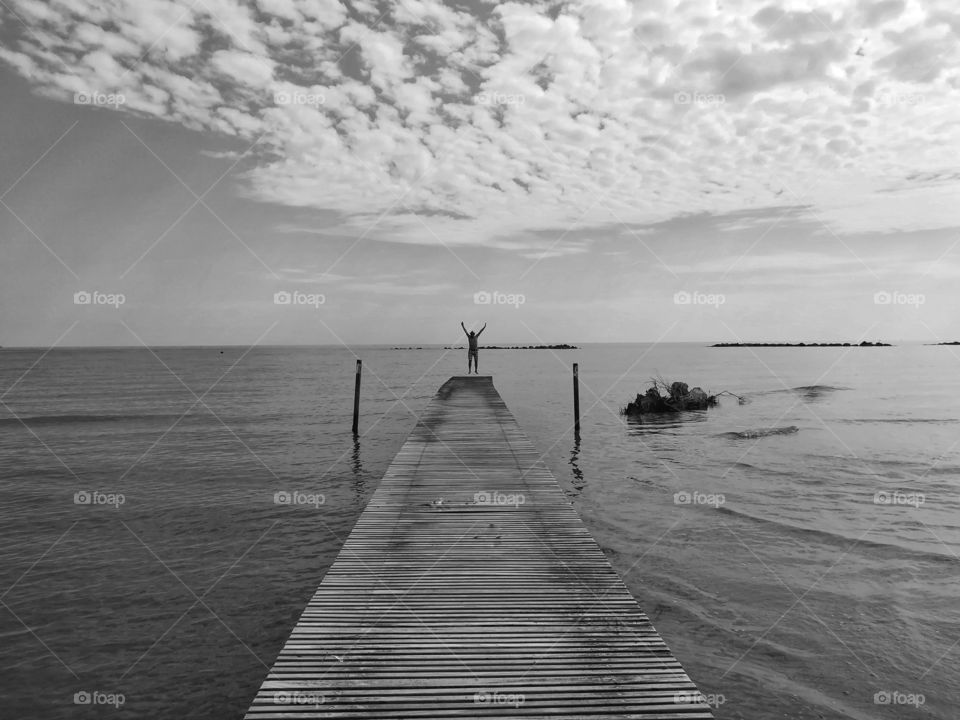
{"type": "Point", "coordinates": [470, 588]}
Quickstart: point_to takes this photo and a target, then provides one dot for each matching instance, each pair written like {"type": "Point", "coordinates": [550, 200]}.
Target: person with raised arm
{"type": "Point", "coordinates": [472, 354]}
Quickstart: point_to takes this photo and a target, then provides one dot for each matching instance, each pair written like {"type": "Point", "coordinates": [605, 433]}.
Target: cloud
{"type": "Point", "coordinates": [382, 55]}
{"type": "Point", "coordinates": [243, 67]}
{"type": "Point", "coordinates": [876, 12]}
{"type": "Point", "coordinates": [920, 60]}
{"type": "Point", "coordinates": [384, 287]}
{"type": "Point", "coordinates": [729, 72]}
{"type": "Point", "coordinates": [163, 30]}
{"type": "Point", "coordinates": [479, 126]}
{"type": "Point", "coordinates": [378, 284]}
{"type": "Point", "coordinates": [764, 263]}
{"type": "Point", "coordinates": [779, 23]}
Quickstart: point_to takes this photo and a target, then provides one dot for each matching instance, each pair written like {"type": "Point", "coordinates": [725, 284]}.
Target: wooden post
{"type": "Point", "coordinates": [356, 399]}
{"type": "Point", "coordinates": [576, 402]}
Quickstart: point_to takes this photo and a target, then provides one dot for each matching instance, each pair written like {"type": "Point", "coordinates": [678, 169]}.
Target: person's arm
{"type": "Point", "coordinates": [482, 329]}
{"type": "Point", "coordinates": [464, 328]}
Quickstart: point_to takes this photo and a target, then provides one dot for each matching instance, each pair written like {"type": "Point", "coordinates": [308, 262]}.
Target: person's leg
{"type": "Point", "coordinates": [476, 364]}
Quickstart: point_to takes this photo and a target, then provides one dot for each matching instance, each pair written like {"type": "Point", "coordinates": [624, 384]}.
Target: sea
{"type": "Point", "coordinates": [797, 546]}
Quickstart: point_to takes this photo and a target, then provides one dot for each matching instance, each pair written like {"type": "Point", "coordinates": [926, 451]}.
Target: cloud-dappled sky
{"type": "Point", "coordinates": [604, 171]}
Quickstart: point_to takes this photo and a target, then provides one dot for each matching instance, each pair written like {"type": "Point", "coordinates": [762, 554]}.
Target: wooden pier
{"type": "Point", "coordinates": [470, 588]}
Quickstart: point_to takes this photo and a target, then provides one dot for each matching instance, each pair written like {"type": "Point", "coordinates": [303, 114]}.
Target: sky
{"type": "Point", "coordinates": [213, 172]}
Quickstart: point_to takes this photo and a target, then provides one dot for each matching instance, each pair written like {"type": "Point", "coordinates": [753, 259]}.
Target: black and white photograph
{"type": "Point", "coordinates": [254, 252]}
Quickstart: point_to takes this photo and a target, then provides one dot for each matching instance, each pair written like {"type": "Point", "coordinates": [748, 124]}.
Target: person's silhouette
{"type": "Point", "coordinates": [472, 355]}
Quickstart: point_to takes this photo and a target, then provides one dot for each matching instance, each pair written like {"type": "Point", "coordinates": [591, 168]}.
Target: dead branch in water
{"type": "Point", "coordinates": [664, 397]}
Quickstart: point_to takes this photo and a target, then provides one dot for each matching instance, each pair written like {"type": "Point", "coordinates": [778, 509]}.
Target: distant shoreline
{"type": "Point", "coordinates": [512, 347]}
{"type": "Point", "coordinates": [800, 344]}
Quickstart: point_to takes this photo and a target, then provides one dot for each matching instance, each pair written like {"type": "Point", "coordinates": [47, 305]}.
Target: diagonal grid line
{"type": "Point", "coordinates": [200, 400]}
{"type": "Point", "coordinates": [615, 382]}
{"type": "Point", "coordinates": [42, 156]}
{"type": "Point", "coordinates": [196, 402]}
{"type": "Point", "coordinates": [39, 639]}
{"type": "Point", "coordinates": [815, 415]}
{"type": "Point", "coordinates": [799, 600]}
{"type": "Point", "coordinates": [40, 440]}
{"type": "Point", "coordinates": [791, 591]}
{"type": "Point", "coordinates": [198, 199]}
{"type": "Point", "coordinates": [957, 641]}
{"type": "Point", "coordinates": [38, 360]}
{"type": "Point", "coordinates": [601, 597]}
{"type": "Point", "coordinates": [407, 407]}
{"type": "Point", "coordinates": [198, 600]}
{"type": "Point", "coordinates": [37, 561]}
{"type": "Point", "coordinates": [40, 240]}
{"type": "Point", "coordinates": [426, 572]}
{"type": "Point", "coordinates": [599, 399]}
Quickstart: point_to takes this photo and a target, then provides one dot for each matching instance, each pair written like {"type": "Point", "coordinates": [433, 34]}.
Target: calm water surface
{"type": "Point", "coordinates": [784, 587]}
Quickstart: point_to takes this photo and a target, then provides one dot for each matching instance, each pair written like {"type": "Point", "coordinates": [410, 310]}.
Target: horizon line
{"type": "Point", "coordinates": [425, 345]}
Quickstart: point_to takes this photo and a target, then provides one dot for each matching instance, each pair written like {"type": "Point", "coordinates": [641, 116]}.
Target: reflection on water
{"type": "Point", "coordinates": [578, 480]}
{"type": "Point", "coordinates": [359, 484]}
{"type": "Point", "coordinates": [660, 422]}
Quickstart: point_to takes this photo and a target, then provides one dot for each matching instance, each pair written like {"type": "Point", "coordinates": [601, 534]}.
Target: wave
{"type": "Point", "coordinates": [82, 418]}
{"type": "Point", "coordinates": [762, 432]}
{"type": "Point", "coordinates": [747, 467]}
{"type": "Point", "coordinates": [865, 421]}
{"type": "Point", "coordinates": [807, 392]}
{"type": "Point", "coordinates": [838, 539]}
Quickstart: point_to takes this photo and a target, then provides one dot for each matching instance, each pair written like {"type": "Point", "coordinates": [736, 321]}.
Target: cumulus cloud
{"type": "Point", "coordinates": [875, 12]}
{"type": "Point", "coordinates": [430, 123]}
{"type": "Point", "coordinates": [243, 67]}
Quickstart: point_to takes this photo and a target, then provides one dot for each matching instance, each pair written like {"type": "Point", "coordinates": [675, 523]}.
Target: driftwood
{"type": "Point", "coordinates": [676, 397]}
